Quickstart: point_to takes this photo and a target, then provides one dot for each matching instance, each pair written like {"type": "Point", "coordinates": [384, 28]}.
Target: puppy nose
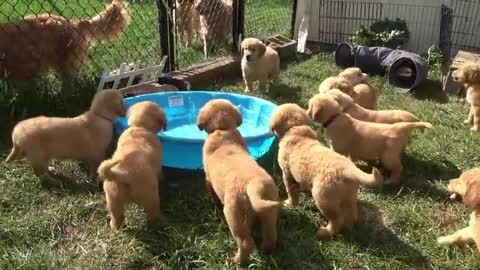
{"type": "Point", "coordinates": [248, 57]}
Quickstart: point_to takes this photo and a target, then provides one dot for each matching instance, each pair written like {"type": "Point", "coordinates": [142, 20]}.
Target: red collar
{"type": "Point", "coordinates": [330, 120]}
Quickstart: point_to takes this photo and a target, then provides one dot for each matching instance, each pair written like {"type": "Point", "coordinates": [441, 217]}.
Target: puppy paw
{"type": "Point", "coordinates": [247, 90]}
{"type": "Point", "coordinates": [50, 180]}
{"type": "Point", "coordinates": [391, 181]}
{"type": "Point", "coordinates": [467, 121]}
{"type": "Point", "coordinates": [268, 247]}
{"type": "Point", "coordinates": [475, 128]}
{"type": "Point", "coordinates": [51, 170]}
{"type": "Point", "coordinates": [288, 203]}
{"type": "Point", "coordinates": [238, 259]}
{"type": "Point", "coordinates": [323, 233]}
{"type": "Point", "coordinates": [443, 240]}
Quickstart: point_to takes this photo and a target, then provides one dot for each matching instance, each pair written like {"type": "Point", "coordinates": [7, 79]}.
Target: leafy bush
{"type": "Point", "coordinates": [435, 61]}
{"type": "Point", "coordinates": [386, 33]}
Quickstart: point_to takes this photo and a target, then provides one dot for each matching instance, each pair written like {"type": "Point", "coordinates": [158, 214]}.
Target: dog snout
{"type": "Point", "coordinates": [248, 57]}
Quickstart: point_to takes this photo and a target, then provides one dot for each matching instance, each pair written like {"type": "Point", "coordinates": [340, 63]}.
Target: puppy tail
{"type": "Point", "coordinates": [407, 127]}
{"type": "Point", "coordinates": [373, 180]}
{"type": "Point", "coordinates": [15, 154]}
{"type": "Point", "coordinates": [107, 170]}
{"type": "Point", "coordinates": [107, 25]}
{"type": "Point", "coordinates": [259, 204]}
{"type": "Point", "coordinates": [410, 118]}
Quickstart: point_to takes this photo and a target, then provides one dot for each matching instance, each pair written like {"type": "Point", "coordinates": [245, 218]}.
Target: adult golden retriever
{"type": "Point", "coordinates": [187, 21]}
{"type": "Point", "coordinates": [47, 42]}
{"type": "Point", "coordinates": [215, 22]}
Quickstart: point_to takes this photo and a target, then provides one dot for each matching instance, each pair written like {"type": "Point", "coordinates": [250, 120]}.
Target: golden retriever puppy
{"type": "Point", "coordinates": [363, 140]}
{"type": "Point", "coordinates": [187, 21]}
{"type": "Point", "coordinates": [358, 112]}
{"type": "Point", "coordinates": [259, 63]}
{"type": "Point", "coordinates": [469, 75]}
{"type": "Point", "coordinates": [365, 93]}
{"type": "Point", "coordinates": [41, 139]}
{"type": "Point", "coordinates": [237, 183]}
{"type": "Point", "coordinates": [467, 189]}
{"type": "Point", "coordinates": [131, 175]}
{"type": "Point", "coordinates": [41, 43]}
{"type": "Point", "coordinates": [215, 22]}
{"type": "Point", "coordinates": [336, 83]}
{"type": "Point", "coordinates": [308, 165]}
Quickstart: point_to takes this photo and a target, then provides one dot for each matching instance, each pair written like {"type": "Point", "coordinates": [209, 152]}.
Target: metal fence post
{"type": "Point", "coordinates": [294, 18]}
{"type": "Point", "coordinates": [166, 28]}
{"type": "Point", "coordinates": [445, 43]}
{"type": "Point", "coordinates": [238, 21]}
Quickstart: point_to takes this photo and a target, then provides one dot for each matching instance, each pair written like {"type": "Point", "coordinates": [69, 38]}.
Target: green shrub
{"type": "Point", "coordinates": [386, 33]}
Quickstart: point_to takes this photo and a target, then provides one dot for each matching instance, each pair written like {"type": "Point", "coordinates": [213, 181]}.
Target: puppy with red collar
{"type": "Point", "coordinates": [363, 140]}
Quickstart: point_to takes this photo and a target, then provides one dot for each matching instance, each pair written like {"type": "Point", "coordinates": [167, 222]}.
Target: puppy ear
{"type": "Point", "coordinates": [162, 120]}
{"type": "Point", "coordinates": [472, 195]}
{"type": "Point", "coordinates": [341, 98]}
{"type": "Point", "coordinates": [201, 120]}
{"type": "Point", "coordinates": [201, 124]}
{"type": "Point", "coordinates": [273, 126]}
{"type": "Point", "coordinates": [313, 112]}
{"type": "Point", "coordinates": [473, 74]}
{"type": "Point", "coordinates": [120, 109]}
{"type": "Point", "coordinates": [238, 117]}
{"type": "Point", "coordinates": [261, 49]}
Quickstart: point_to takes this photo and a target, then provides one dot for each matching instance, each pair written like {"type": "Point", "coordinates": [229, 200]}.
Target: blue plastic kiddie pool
{"type": "Point", "coordinates": [182, 142]}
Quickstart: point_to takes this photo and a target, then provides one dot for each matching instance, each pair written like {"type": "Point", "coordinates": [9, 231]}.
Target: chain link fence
{"type": "Point", "coordinates": [268, 17]}
{"type": "Point", "coordinates": [74, 39]}
{"type": "Point", "coordinates": [216, 19]}
{"type": "Point", "coordinates": [465, 23]}
{"type": "Point", "coordinates": [50, 63]}
{"type": "Point", "coordinates": [203, 30]}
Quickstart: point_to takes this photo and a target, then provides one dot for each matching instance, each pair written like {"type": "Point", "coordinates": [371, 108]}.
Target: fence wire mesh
{"type": "Point", "coordinates": [268, 17]}
{"type": "Point", "coordinates": [75, 40]}
{"type": "Point", "coordinates": [204, 30]}
{"type": "Point", "coordinates": [213, 21]}
{"type": "Point", "coordinates": [465, 25]}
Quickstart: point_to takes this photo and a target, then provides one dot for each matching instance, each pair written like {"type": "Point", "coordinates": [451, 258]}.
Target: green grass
{"type": "Point", "coordinates": [63, 224]}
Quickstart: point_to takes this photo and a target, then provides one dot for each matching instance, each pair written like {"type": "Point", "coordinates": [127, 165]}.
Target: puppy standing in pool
{"type": "Point", "coordinates": [237, 183]}
{"type": "Point", "coordinates": [87, 136]}
{"type": "Point", "coordinates": [259, 63]}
